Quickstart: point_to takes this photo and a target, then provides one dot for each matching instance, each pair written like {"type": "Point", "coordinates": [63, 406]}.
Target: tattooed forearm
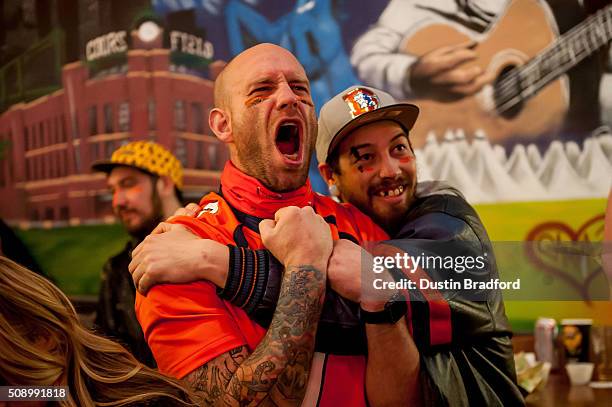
{"type": "Point", "coordinates": [276, 373]}
{"type": "Point", "coordinates": [211, 380]}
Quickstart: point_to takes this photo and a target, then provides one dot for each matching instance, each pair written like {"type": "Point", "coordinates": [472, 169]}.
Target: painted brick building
{"type": "Point", "coordinates": [48, 145]}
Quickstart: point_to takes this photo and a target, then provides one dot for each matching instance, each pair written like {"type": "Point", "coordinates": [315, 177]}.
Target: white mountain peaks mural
{"type": "Point", "coordinates": [487, 173]}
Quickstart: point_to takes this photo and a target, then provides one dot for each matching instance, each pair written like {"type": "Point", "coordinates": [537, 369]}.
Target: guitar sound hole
{"type": "Point", "coordinates": [507, 92]}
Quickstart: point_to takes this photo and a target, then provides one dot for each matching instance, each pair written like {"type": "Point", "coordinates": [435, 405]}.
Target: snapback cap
{"type": "Point", "coordinates": [147, 156]}
{"type": "Point", "coordinates": [356, 107]}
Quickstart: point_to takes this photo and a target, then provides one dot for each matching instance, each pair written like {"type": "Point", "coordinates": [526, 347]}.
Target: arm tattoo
{"type": "Point", "coordinates": [276, 373]}
{"type": "Point", "coordinates": [210, 380]}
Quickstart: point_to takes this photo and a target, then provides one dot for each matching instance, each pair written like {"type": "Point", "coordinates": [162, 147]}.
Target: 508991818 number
{"type": "Point", "coordinates": [33, 393]}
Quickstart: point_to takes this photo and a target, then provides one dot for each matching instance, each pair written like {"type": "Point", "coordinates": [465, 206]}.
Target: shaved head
{"type": "Point", "coordinates": [224, 83]}
{"type": "Point", "coordinates": [219, 93]}
{"type": "Point", "coordinates": [265, 114]}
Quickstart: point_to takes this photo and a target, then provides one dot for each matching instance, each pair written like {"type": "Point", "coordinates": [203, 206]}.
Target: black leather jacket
{"type": "Point", "coordinates": [115, 315]}
{"type": "Point", "coordinates": [477, 367]}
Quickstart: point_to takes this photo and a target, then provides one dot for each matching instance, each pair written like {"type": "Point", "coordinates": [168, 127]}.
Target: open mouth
{"type": "Point", "coordinates": [288, 141]}
{"type": "Point", "coordinates": [390, 192]}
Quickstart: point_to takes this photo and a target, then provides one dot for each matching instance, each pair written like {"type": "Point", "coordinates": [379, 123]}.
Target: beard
{"type": "Point", "coordinates": [146, 227]}
{"type": "Point", "coordinates": [256, 155]}
{"type": "Point", "coordinates": [390, 217]}
{"type": "Point", "coordinates": [148, 222]}
{"type": "Point", "coordinates": [387, 216]}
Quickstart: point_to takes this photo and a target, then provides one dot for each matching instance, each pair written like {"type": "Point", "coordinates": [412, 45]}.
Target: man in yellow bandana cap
{"type": "Point", "coordinates": [145, 180]}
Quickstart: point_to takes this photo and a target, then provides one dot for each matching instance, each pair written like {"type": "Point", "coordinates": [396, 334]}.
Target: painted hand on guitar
{"type": "Point", "coordinates": [442, 76]}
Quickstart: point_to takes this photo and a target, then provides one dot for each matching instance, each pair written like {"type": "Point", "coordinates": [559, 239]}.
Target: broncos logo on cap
{"type": "Point", "coordinates": [361, 101]}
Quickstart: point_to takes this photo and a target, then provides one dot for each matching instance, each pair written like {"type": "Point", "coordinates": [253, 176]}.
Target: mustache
{"type": "Point", "coordinates": [390, 183]}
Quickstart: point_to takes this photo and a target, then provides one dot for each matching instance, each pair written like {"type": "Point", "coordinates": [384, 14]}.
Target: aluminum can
{"type": "Point", "coordinates": [544, 340]}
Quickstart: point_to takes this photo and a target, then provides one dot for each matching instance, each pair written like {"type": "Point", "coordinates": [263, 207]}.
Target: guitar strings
{"type": "Point", "coordinates": [507, 88]}
{"type": "Point", "coordinates": [508, 98]}
{"type": "Point", "coordinates": [569, 36]}
{"type": "Point", "coordinates": [511, 80]}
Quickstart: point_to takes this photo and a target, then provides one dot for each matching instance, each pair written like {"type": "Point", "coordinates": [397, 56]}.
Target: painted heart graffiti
{"type": "Point", "coordinates": [546, 254]}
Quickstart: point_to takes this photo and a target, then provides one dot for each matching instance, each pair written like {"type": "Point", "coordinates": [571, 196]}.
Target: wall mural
{"type": "Point", "coordinates": [515, 99]}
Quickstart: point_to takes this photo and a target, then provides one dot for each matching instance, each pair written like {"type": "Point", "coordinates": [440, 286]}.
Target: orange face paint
{"type": "Point", "coordinates": [363, 169]}
{"type": "Point", "coordinates": [135, 193]}
{"type": "Point", "coordinates": [254, 101]}
{"type": "Point", "coordinates": [115, 194]}
{"type": "Point", "coordinates": [129, 194]}
{"type": "Point", "coordinates": [405, 160]}
{"type": "Point", "coordinates": [136, 189]}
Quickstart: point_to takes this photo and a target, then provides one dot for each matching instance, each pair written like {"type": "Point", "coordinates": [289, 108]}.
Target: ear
{"type": "Point", "coordinates": [327, 173]}
{"type": "Point", "coordinates": [165, 186]}
{"type": "Point", "coordinates": [330, 178]}
{"type": "Point", "coordinates": [220, 124]}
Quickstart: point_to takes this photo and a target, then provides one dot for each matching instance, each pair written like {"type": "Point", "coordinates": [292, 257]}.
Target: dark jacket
{"type": "Point", "coordinates": [115, 316]}
{"type": "Point", "coordinates": [475, 365]}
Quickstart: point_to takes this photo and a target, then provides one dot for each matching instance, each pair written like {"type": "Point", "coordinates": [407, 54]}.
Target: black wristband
{"type": "Point", "coordinates": [263, 310]}
{"type": "Point", "coordinates": [234, 274]}
{"type": "Point", "coordinates": [262, 267]}
{"type": "Point", "coordinates": [258, 298]}
{"type": "Point", "coordinates": [247, 276]}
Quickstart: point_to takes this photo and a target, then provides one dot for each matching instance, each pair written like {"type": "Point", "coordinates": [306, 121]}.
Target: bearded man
{"type": "Point", "coordinates": [144, 179]}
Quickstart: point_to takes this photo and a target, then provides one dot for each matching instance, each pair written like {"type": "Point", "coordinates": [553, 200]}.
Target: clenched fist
{"type": "Point", "coordinates": [297, 236]}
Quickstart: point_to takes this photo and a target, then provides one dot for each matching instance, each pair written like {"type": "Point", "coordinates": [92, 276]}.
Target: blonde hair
{"type": "Point", "coordinates": [43, 343]}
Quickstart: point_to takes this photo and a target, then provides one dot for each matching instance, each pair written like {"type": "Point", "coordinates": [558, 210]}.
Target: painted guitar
{"type": "Point", "coordinates": [529, 96]}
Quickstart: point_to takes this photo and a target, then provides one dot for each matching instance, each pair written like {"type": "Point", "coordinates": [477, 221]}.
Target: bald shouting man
{"type": "Point", "coordinates": [264, 113]}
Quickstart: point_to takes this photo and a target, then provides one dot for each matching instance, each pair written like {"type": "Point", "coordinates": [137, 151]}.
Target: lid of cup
{"type": "Point", "coordinates": [577, 321]}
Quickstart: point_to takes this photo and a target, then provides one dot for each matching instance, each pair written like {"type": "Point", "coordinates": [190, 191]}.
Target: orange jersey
{"type": "Point", "coordinates": [187, 325]}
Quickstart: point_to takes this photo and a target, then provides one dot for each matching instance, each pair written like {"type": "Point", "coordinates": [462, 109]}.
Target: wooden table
{"type": "Point", "coordinates": [558, 393]}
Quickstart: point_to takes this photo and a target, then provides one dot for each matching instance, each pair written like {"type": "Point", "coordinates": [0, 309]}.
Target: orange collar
{"type": "Point", "coordinates": [249, 195]}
